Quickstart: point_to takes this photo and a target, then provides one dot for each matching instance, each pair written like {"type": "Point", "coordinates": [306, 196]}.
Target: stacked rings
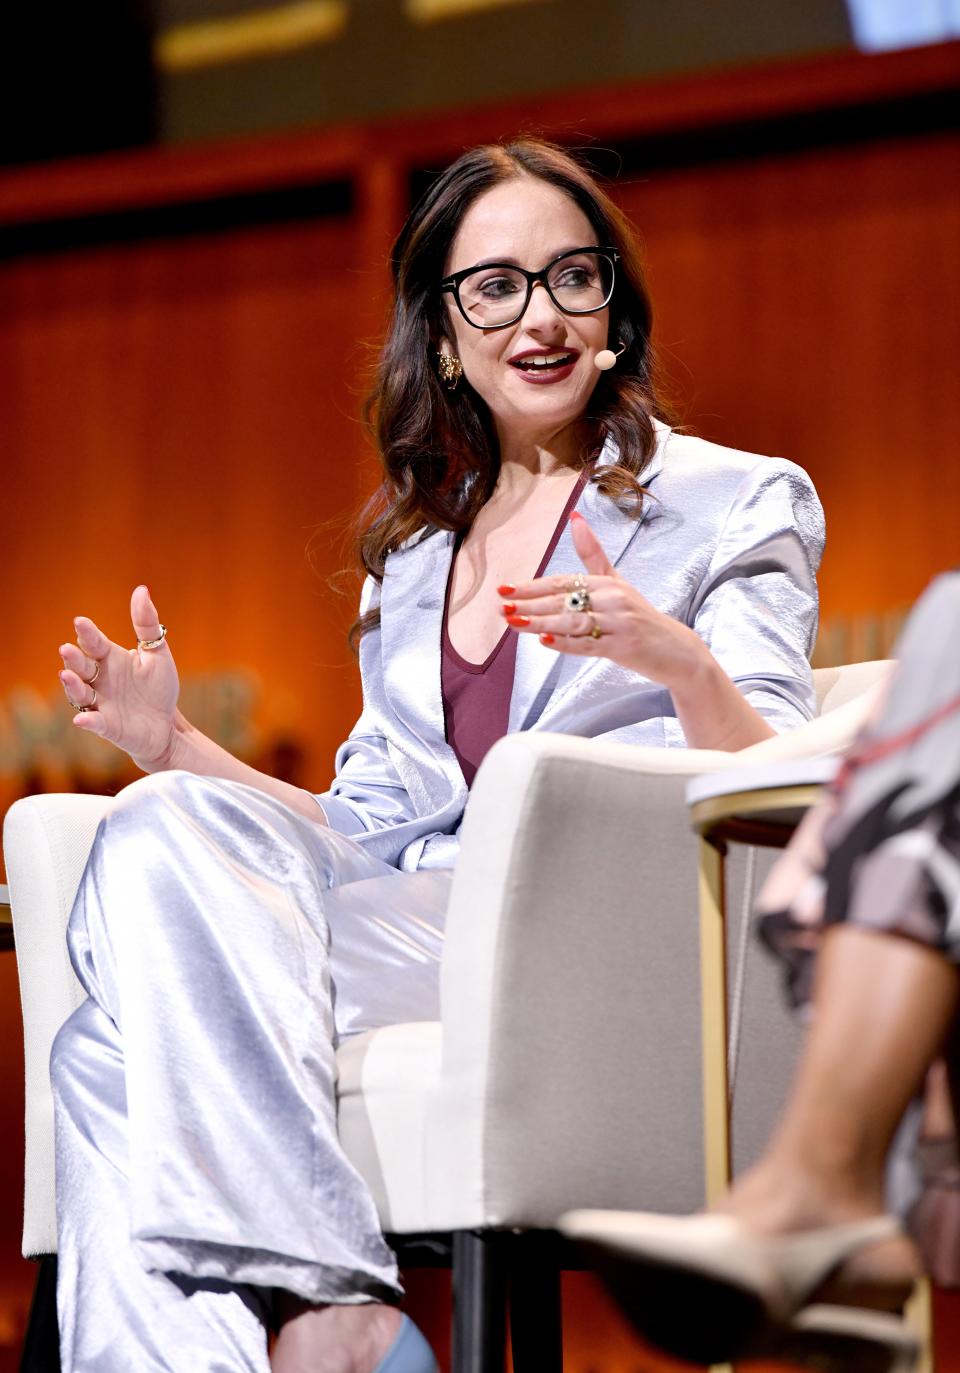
{"type": "Point", "coordinates": [146, 644]}
{"type": "Point", "coordinates": [578, 597]}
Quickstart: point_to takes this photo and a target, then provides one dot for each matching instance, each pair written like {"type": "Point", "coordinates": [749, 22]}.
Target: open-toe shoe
{"type": "Point", "coordinates": [409, 1353]}
{"type": "Point", "coordinates": [706, 1289]}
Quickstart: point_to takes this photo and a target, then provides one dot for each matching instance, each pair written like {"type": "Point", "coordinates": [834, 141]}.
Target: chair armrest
{"type": "Point", "coordinates": [569, 985]}
{"type": "Point", "coordinates": [832, 733]}
{"type": "Point", "coordinates": [570, 990]}
{"type": "Point", "coordinates": [46, 841]}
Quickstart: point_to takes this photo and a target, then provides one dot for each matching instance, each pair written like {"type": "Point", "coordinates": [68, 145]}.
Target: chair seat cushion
{"type": "Point", "coordinates": [388, 1081]}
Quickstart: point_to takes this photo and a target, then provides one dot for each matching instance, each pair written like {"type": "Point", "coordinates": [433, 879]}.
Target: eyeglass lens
{"type": "Point", "coordinates": [498, 295]}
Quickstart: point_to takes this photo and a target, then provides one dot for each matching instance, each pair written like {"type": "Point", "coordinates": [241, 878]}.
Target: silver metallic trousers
{"type": "Point", "coordinates": [224, 943]}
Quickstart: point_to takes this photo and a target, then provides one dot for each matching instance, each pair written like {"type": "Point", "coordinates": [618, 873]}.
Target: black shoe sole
{"type": "Point", "coordinates": [691, 1316]}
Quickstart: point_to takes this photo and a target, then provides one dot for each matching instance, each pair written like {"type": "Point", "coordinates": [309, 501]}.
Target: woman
{"type": "Point", "coordinates": [869, 892]}
{"type": "Point", "coordinates": [229, 920]}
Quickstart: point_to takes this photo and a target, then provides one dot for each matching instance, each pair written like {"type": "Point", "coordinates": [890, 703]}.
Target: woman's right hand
{"type": "Point", "coordinates": [130, 694]}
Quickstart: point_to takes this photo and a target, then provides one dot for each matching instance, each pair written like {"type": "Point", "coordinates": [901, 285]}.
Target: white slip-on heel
{"type": "Point", "coordinates": [706, 1289]}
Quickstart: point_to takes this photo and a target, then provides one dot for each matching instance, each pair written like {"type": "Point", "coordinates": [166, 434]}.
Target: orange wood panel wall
{"type": "Point", "coordinates": [809, 305]}
{"type": "Point", "coordinates": [185, 413]}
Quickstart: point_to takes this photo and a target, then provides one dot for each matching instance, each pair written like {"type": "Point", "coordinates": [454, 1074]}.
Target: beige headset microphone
{"type": "Point", "coordinates": [606, 358]}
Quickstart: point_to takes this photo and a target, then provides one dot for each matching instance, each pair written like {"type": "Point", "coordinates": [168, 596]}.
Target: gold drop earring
{"type": "Point", "coordinates": [450, 369]}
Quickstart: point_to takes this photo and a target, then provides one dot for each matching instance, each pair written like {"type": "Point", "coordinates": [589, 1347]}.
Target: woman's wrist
{"type": "Point", "coordinates": [694, 671]}
{"type": "Point", "coordinates": [177, 751]}
{"type": "Point", "coordinates": [192, 751]}
{"type": "Point", "coordinates": [712, 711]}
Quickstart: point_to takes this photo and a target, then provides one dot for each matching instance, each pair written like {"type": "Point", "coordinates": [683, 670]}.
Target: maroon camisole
{"type": "Point", "coordinates": [476, 696]}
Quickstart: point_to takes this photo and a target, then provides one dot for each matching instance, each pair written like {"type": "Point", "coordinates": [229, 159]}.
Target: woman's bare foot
{"type": "Point", "coordinates": [332, 1339]}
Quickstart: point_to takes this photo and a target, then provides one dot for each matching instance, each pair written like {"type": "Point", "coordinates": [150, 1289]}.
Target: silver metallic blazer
{"type": "Point", "coordinates": [727, 542]}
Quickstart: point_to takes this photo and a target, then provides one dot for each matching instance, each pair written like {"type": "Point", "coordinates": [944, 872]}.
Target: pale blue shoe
{"type": "Point", "coordinates": [409, 1352]}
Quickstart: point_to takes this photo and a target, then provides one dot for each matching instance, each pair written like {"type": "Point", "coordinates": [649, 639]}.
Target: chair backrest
{"type": "Point", "coordinates": [46, 840]}
{"type": "Point", "coordinates": [845, 698]}
{"type": "Point", "coordinates": [835, 686]}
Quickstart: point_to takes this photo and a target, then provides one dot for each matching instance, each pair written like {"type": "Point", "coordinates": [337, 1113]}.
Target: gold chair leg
{"type": "Point", "coordinates": [713, 1029]}
{"type": "Point", "coordinates": [713, 1021]}
{"type": "Point", "coordinates": [919, 1316]}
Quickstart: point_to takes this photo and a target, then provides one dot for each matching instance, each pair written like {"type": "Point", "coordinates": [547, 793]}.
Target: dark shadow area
{"type": "Point", "coordinates": [188, 218]}
{"type": "Point", "coordinates": [75, 79]}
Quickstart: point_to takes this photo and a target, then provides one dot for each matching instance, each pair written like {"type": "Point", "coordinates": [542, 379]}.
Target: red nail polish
{"type": "Point", "coordinates": [575, 515]}
{"type": "Point", "coordinates": [547, 639]}
{"type": "Point", "coordinates": [505, 590]}
{"type": "Point", "coordinates": [509, 608]}
{"type": "Point", "coordinates": [518, 621]}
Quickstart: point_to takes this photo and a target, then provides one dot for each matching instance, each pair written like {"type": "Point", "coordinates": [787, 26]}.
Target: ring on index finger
{"type": "Point", "coordinates": [578, 597]}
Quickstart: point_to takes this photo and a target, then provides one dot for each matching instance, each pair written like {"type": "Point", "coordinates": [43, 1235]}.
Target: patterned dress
{"type": "Point", "coordinates": [883, 852]}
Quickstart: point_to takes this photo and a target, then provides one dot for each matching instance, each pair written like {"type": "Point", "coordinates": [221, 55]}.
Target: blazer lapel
{"type": "Point", "coordinates": [541, 672]}
{"type": "Point", "coordinates": [412, 602]}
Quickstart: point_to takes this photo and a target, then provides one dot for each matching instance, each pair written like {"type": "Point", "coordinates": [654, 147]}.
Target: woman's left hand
{"type": "Point", "coordinates": [620, 624]}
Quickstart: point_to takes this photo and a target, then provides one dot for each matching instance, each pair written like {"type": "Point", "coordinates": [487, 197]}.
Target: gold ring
{"type": "Point", "coordinates": [81, 709]}
{"type": "Point", "coordinates": [595, 631]}
{"type": "Point", "coordinates": [153, 643]}
{"type": "Point", "coordinates": [96, 673]}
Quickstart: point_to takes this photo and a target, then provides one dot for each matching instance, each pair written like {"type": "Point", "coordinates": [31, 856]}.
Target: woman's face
{"type": "Point", "coordinates": [527, 222]}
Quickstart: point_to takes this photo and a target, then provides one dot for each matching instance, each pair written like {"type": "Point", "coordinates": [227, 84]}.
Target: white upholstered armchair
{"type": "Point", "coordinates": [565, 1070]}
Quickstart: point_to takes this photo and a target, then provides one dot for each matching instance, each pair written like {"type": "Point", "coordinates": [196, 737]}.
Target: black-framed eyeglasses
{"type": "Point", "coordinates": [496, 294]}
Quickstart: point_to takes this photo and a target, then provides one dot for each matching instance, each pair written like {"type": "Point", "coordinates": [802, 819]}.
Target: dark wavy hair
{"type": "Point", "coordinates": [439, 447]}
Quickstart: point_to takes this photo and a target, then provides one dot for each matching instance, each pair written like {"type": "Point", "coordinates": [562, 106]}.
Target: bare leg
{"type": "Point", "coordinates": [883, 1007]}
{"type": "Point", "coordinates": [333, 1339]}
